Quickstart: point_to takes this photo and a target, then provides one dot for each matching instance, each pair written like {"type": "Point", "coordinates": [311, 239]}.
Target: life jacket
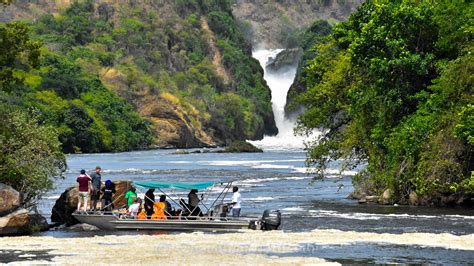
{"type": "Point", "coordinates": [159, 211]}
{"type": "Point", "coordinates": [141, 216]}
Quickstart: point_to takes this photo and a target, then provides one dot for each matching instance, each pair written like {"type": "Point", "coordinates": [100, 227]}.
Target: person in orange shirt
{"type": "Point", "coordinates": [159, 211]}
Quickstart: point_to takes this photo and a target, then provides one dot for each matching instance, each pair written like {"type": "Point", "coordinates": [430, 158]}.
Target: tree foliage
{"type": "Point", "coordinates": [31, 157]}
{"type": "Point", "coordinates": [17, 50]}
{"type": "Point", "coordinates": [151, 55]}
{"type": "Point", "coordinates": [392, 87]}
{"type": "Point", "coordinates": [87, 116]}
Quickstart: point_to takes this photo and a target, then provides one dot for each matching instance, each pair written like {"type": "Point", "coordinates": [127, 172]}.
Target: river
{"type": "Point", "coordinates": [319, 224]}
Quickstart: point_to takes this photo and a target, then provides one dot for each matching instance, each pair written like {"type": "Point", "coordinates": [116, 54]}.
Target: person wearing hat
{"type": "Point", "coordinates": [95, 191]}
{"type": "Point", "coordinates": [108, 192]}
{"type": "Point", "coordinates": [84, 180]}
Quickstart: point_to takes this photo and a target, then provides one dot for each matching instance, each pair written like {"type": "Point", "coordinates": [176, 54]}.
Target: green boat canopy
{"type": "Point", "coordinates": [180, 185]}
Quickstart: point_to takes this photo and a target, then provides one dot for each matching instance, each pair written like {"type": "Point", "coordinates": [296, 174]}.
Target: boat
{"type": "Point", "coordinates": [213, 218]}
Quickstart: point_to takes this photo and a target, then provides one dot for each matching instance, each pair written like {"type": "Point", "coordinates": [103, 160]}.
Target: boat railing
{"type": "Point", "coordinates": [124, 216]}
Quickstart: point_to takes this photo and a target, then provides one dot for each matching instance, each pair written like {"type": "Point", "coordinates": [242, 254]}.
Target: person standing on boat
{"type": "Point", "coordinates": [236, 200]}
{"type": "Point", "coordinates": [95, 190]}
{"type": "Point", "coordinates": [84, 181]}
{"type": "Point", "coordinates": [149, 201]}
{"type": "Point", "coordinates": [108, 192]}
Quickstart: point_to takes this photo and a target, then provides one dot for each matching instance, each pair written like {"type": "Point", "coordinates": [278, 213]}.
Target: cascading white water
{"type": "Point", "coordinates": [279, 84]}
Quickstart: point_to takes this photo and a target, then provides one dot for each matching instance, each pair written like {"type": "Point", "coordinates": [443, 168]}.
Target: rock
{"type": "Point", "coordinates": [387, 197]}
{"type": "Point", "coordinates": [403, 201]}
{"type": "Point", "coordinates": [9, 199]}
{"type": "Point", "coordinates": [82, 228]}
{"type": "Point", "coordinates": [15, 223]}
{"type": "Point", "coordinates": [67, 202]}
{"type": "Point", "coordinates": [64, 207]}
{"type": "Point", "coordinates": [38, 223]}
{"type": "Point", "coordinates": [372, 198]}
{"type": "Point", "coordinates": [413, 199]}
{"type": "Point", "coordinates": [356, 195]}
{"type": "Point", "coordinates": [240, 146]}
{"type": "Point", "coordinates": [172, 125]}
{"type": "Point", "coordinates": [181, 152]}
{"type": "Point", "coordinates": [286, 58]}
{"type": "Point", "coordinates": [270, 128]}
{"type": "Point", "coordinates": [362, 201]}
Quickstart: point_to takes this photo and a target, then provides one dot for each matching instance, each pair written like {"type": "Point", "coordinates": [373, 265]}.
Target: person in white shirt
{"type": "Point", "coordinates": [236, 200]}
{"type": "Point", "coordinates": [133, 209]}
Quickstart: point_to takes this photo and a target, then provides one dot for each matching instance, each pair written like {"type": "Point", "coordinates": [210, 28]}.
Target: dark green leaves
{"type": "Point", "coordinates": [394, 84]}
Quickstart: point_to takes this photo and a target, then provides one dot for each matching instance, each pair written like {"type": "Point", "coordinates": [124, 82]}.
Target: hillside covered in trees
{"type": "Point", "coordinates": [115, 76]}
{"type": "Point", "coordinates": [280, 23]}
{"type": "Point", "coordinates": [392, 88]}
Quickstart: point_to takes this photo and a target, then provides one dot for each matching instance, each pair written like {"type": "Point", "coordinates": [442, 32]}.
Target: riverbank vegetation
{"type": "Point", "coordinates": [107, 77]}
{"type": "Point", "coordinates": [115, 77]}
{"type": "Point", "coordinates": [31, 155]}
{"type": "Point", "coordinates": [72, 102]}
{"type": "Point", "coordinates": [392, 88]}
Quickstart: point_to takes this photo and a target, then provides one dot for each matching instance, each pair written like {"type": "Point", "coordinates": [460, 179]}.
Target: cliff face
{"type": "Point", "coordinates": [183, 65]}
{"type": "Point", "coordinates": [275, 24]}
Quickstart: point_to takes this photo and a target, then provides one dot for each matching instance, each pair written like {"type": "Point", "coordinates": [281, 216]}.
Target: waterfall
{"type": "Point", "coordinates": [279, 84]}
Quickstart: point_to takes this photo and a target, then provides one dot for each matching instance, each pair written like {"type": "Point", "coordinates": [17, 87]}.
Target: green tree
{"type": "Point", "coordinates": [17, 51]}
{"type": "Point", "coordinates": [31, 157]}
{"type": "Point", "coordinates": [392, 87]}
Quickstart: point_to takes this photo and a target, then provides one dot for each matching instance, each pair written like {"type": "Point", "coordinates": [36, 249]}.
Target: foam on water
{"type": "Point", "coordinates": [260, 199]}
{"type": "Point", "coordinates": [270, 179]}
{"type": "Point", "coordinates": [293, 209]}
{"type": "Point", "coordinates": [254, 247]}
{"type": "Point", "coordinates": [245, 163]}
{"type": "Point", "coordinates": [272, 166]}
{"type": "Point", "coordinates": [375, 216]}
{"type": "Point", "coordinates": [51, 197]}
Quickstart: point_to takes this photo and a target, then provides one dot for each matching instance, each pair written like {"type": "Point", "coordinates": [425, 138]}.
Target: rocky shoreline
{"type": "Point", "coordinates": [14, 219]}
{"type": "Point", "coordinates": [413, 199]}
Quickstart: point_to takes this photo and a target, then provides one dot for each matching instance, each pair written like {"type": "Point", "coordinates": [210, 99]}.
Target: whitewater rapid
{"type": "Point", "coordinates": [246, 247]}
{"type": "Point", "coordinates": [279, 84]}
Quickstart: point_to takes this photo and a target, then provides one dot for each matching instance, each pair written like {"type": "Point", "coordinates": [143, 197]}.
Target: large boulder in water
{"type": "Point", "coordinates": [15, 220]}
{"type": "Point", "coordinates": [65, 206]}
{"type": "Point", "coordinates": [9, 199]}
{"type": "Point", "coordinates": [284, 59]}
{"type": "Point", "coordinates": [240, 146]}
{"type": "Point", "coordinates": [15, 223]}
{"type": "Point", "coordinates": [38, 222]}
{"type": "Point", "coordinates": [67, 202]}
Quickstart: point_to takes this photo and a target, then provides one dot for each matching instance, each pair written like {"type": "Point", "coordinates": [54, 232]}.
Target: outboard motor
{"type": "Point", "coordinates": [271, 219]}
